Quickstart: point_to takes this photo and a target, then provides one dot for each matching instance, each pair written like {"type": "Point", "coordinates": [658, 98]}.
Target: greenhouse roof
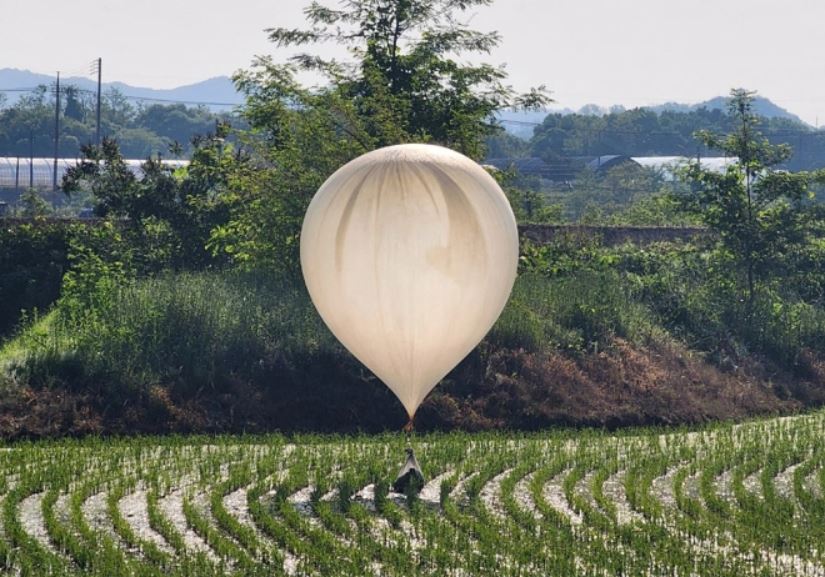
{"type": "Point", "coordinates": [39, 172]}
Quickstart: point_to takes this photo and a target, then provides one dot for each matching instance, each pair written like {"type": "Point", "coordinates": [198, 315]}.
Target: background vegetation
{"type": "Point", "coordinates": [142, 130]}
{"type": "Point", "coordinates": [182, 308]}
{"type": "Point", "coordinates": [651, 132]}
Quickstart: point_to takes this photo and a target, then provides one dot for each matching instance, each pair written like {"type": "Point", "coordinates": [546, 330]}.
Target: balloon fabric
{"type": "Point", "coordinates": [409, 253]}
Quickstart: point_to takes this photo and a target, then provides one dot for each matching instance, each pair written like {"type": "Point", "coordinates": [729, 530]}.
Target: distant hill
{"type": "Point", "coordinates": [210, 92]}
{"type": "Point", "coordinates": [761, 105]}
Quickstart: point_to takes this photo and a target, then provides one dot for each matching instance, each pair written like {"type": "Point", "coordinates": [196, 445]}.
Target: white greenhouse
{"type": "Point", "coordinates": [22, 173]}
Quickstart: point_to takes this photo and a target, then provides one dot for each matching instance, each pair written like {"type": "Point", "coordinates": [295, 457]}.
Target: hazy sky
{"type": "Point", "coordinates": [630, 52]}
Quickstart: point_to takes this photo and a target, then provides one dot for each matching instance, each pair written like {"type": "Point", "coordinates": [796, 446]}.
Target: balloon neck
{"type": "Point", "coordinates": [408, 429]}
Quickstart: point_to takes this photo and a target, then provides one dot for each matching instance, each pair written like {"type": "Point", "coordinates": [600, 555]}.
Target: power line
{"type": "Point", "coordinates": [99, 69]}
{"type": "Point", "coordinates": [620, 131]}
{"type": "Point", "coordinates": [204, 103]}
{"type": "Point", "coordinates": [139, 98]}
{"type": "Point", "coordinates": [501, 120]}
{"type": "Point", "coordinates": [56, 129]}
{"type": "Point", "coordinates": [520, 122]}
{"type": "Point", "coordinates": [598, 132]}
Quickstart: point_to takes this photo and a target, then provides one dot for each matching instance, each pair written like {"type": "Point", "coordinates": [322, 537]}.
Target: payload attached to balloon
{"type": "Point", "coordinates": [409, 254]}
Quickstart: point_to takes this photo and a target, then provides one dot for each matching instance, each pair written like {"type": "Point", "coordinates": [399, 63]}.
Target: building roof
{"type": "Point", "coordinates": [530, 165]}
{"type": "Point", "coordinates": [668, 165]}
{"type": "Point", "coordinates": [607, 161]}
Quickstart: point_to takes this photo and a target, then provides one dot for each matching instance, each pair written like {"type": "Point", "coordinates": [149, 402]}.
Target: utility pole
{"type": "Point", "coordinates": [99, 77]}
{"type": "Point", "coordinates": [56, 129]}
{"type": "Point", "coordinates": [31, 158]}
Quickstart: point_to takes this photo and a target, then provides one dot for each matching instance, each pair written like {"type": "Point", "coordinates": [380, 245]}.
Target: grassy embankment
{"type": "Point", "coordinates": [627, 337]}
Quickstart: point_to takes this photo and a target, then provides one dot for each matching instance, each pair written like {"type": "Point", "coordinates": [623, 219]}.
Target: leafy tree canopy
{"type": "Point", "coordinates": [403, 82]}
{"type": "Point", "coordinates": [762, 216]}
{"type": "Point", "coordinates": [168, 214]}
{"type": "Point", "coordinates": [645, 132]}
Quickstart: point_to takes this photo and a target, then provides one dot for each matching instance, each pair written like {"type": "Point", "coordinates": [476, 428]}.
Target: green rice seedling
{"type": "Point", "coordinates": [723, 500]}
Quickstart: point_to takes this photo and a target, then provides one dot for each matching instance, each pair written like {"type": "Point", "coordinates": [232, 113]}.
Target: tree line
{"type": "Point", "coordinates": [27, 127]}
{"type": "Point", "coordinates": [646, 132]}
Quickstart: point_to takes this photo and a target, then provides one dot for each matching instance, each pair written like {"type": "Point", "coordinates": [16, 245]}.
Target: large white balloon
{"type": "Point", "coordinates": [409, 254]}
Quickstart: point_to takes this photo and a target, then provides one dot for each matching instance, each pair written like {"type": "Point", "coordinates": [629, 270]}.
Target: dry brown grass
{"type": "Point", "coordinates": [625, 385]}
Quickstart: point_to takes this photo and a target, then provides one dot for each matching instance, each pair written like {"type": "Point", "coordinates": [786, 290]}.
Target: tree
{"type": "Point", "coordinates": [176, 122]}
{"type": "Point", "coordinates": [760, 215]}
{"type": "Point", "coordinates": [117, 108]}
{"type": "Point", "coordinates": [404, 83]}
{"type": "Point", "coordinates": [643, 132]}
{"type": "Point", "coordinates": [166, 215]}
{"type": "Point", "coordinates": [75, 107]}
{"type": "Point", "coordinates": [33, 205]}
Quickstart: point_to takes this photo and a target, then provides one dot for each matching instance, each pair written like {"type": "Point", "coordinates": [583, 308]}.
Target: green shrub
{"type": "Point", "coordinates": [189, 330]}
{"type": "Point", "coordinates": [585, 309]}
{"type": "Point", "coordinates": [33, 258]}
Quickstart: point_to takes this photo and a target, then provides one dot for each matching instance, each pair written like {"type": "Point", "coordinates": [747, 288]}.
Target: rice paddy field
{"type": "Point", "coordinates": [728, 500]}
